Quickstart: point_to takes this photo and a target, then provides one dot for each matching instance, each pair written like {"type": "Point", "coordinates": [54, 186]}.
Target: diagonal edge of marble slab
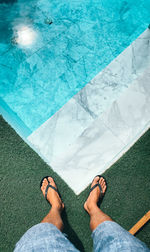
{"type": "Point", "coordinates": [54, 137]}
{"type": "Point", "coordinates": [109, 136]}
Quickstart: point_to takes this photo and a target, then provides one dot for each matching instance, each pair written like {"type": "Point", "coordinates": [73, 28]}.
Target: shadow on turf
{"type": "Point", "coordinates": [71, 235]}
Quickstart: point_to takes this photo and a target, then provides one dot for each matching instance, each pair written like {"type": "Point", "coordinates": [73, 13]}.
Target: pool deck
{"type": "Point", "coordinates": [84, 138]}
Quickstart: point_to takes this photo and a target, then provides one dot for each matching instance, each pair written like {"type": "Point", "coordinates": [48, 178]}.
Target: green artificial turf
{"type": "Point", "coordinates": [22, 204]}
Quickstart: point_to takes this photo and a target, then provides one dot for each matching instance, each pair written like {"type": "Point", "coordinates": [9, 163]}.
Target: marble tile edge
{"type": "Point", "coordinates": [116, 157]}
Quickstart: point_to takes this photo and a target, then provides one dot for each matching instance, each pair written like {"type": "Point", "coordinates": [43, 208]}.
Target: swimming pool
{"type": "Point", "coordinates": [49, 50]}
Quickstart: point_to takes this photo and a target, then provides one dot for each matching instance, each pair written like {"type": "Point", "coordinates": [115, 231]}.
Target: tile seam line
{"type": "Point", "coordinates": [130, 143]}
{"type": "Point", "coordinates": [115, 101]}
{"type": "Point", "coordinates": [47, 43]}
{"type": "Point", "coordinates": [140, 131]}
{"type": "Point", "coordinates": [113, 132]}
{"type": "Point", "coordinates": [120, 153]}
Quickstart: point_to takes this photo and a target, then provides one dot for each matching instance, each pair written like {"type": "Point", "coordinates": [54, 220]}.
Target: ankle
{"type": "Point", "coordinates": [94, 210]}
{"type": "Point", "coordinates": [91, 208]}
{"type": "Point", "coordinates": [56, 208]}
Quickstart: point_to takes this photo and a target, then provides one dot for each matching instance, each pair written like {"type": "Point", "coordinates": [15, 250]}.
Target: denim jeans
{"type": "Point", "coordinates": [107, 237]}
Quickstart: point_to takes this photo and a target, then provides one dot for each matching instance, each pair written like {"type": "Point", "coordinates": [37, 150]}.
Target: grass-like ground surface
{"type": "Point", "coordinates": [22, 204]}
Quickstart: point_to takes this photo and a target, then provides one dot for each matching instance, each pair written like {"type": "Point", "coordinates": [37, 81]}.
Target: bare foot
{"type": "Point", "coordinates": [93, 198]}
{"type": "Point", "coordinates": [52, 196]}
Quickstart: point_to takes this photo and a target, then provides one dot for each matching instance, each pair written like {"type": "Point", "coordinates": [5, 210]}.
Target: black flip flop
{"type": "Point", "coordinates": [48, 186]}
{"type": "Point", "coordinates": [97, 184]}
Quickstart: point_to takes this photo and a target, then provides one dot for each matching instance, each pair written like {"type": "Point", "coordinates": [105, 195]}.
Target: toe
{"type": "Point", "coordinates": [44, 185]}
{"type": "Point", "coordinates": [51, 180]}
{"type": "Point", "coordinates": [103, 184]}
{"type": "Point", "coordinates": [101, 180]}
{"type": "Point", "coordinates": [95, 181]}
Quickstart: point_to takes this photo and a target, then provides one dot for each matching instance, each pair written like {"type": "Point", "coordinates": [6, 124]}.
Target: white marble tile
{"type": "Point", "coordinates": [61, 130]}
{"type": "Point", "coordinates": [91, 154]}
{"type": "Point", "coordinates": [129, 114]}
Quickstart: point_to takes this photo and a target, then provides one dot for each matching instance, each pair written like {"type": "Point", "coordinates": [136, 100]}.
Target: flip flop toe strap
{"type": "Point", "coordinates": [101, 195]}
{"type": "Point", "coordinates": [50, 186]}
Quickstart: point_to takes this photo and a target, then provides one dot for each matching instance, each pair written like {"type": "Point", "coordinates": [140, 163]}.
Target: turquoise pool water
{"type": "Point", "coordinates": [49, 50]}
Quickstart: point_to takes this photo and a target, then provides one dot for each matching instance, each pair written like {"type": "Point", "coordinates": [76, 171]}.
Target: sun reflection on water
{"type": "Point", "coordinates": [25, 36]}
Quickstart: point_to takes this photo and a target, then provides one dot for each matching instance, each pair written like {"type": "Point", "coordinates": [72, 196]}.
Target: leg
{"type": "Point", "coordinates": [108, 235]}
{"type": "Point", "coordinates": [47, 235]}
{"type": "Point", "coordinates": [54, 215]}
{"type": "Point", "coordinates": [96, 215]}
